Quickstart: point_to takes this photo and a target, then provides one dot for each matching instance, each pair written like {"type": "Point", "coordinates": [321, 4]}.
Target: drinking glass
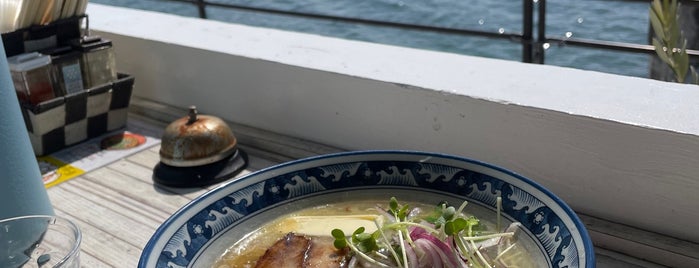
{"type": "Point", "coordinates": [39, 241]}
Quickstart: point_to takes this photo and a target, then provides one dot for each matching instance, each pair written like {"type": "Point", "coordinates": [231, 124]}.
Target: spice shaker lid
{"type": "Point", "coordinates": [92, 43]}
{"type": "Point", "coordinates": [60, 54]}
{"type": "Point", "coordinates": [55, 51]}
{"type": "Point", "coordinates": [28, 61]}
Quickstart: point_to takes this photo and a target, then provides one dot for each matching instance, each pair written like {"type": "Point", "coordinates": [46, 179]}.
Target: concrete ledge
{"type": "Point", "coordinates": [630, 100]}
{"type": "Point", "coordinates": [619, 148]}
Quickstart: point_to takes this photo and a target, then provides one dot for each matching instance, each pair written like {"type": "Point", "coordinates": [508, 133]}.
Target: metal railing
{"type": "Point", "coordinates": [533, 46]}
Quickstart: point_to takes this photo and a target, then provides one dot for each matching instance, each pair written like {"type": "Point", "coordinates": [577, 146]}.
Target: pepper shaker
{"type": "Point", "coordinates": [66, 64]}
{"type": "Point", "coordinates": [97, 62]}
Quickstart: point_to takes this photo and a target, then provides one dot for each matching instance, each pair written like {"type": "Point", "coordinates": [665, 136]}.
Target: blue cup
{"type": "Point", "coordinates": [22, 190]}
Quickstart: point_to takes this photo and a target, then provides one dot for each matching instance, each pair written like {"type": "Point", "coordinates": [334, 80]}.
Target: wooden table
{"type": "Point", "coordinates": [118, 207]}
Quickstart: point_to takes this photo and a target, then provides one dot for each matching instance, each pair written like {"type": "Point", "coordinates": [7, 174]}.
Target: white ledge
{"type": "Point", "coordinates": [631, 100]}
{"type": "Point", "coordinates": [623, 149]}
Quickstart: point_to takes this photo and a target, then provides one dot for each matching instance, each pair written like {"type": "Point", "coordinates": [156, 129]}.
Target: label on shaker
{"type": "Point", "coordinates": [72, 78]}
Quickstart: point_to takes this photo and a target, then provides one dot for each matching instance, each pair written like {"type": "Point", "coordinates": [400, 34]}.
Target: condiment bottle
{"type": "Point", "coordinates": [33, 77]}
{"type": "Point", "coordinates": [66, 64]}
{"type": "Point", "coordinates": [98, 63]}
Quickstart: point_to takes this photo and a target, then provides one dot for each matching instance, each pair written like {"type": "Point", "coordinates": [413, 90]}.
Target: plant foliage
{"type": "Point", "coordinates": [669, 43]}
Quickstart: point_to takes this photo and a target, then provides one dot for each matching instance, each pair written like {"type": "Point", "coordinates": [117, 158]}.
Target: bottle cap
{"type": "Point", "coordinates": [28, 61]}
{"type": "Point", "coordinates": [92, 43]}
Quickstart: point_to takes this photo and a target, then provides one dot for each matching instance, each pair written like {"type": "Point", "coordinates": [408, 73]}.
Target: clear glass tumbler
{"type": "Point", "coordinates": [39, 241]}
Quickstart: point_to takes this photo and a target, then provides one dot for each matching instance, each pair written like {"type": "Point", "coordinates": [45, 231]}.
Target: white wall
{"type": "Point", "coordinates": [621, 148]}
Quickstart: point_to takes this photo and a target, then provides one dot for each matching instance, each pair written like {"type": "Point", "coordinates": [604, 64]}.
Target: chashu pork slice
{"type": "Point", "coordinates": [323, 254]}
{"type": "Point", "coordinates": [303, 251]}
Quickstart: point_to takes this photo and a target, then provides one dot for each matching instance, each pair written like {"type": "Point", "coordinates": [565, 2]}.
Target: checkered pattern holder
{"type": "Point", "coordinates": [64, 121]}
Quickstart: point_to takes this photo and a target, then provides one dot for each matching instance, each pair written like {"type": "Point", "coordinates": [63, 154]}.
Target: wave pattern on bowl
{"type": "Point", "coordinates": [552, 232]}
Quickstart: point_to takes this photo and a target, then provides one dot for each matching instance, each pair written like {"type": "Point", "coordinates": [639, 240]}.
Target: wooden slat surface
{"type": "Point", "coordinates": [118, 207]}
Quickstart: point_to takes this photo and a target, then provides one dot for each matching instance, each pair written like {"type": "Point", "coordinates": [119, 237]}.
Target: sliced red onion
{"type": "Point", "coordinates": [445, 251]}
{"type": "Point", "coordinates": [416, 232]}
{"type": "Point", "coordinates": [433, 258]}
{"type": "Point", "coordinates": [412, 257]}
{"type": "Point", "coordinates": [352, 263]}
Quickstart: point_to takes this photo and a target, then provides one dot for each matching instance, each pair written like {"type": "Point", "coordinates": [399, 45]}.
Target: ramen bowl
{"type": "Point", "coordinates": [200, 232]}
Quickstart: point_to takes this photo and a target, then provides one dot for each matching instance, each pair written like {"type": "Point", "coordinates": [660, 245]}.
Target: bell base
{"type": "Point", "coordinates": [204, 175]}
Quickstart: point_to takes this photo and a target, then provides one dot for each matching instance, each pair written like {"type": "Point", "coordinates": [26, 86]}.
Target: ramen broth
{"type": "Point", "coordinates": [348, 217]}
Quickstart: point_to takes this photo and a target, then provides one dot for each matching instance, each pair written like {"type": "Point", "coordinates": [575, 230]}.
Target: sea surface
{"type": "Point", "coordinates": [620, 21]}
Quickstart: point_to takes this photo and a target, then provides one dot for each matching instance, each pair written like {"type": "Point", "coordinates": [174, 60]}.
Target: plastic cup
{"type": "Point", "coordinates": [39, 241]}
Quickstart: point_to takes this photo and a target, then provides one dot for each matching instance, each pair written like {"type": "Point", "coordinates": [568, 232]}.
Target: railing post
{"type": "Point", "coordinates": [539, 50]}
{"type": "Point", "coordinates": [201, 5]}
{"type": "Point", "coordinates": [527, 30]}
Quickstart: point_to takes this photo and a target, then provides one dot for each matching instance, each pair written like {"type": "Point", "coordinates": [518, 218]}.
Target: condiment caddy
{"type": "Point", "coordinates": [66, 82]}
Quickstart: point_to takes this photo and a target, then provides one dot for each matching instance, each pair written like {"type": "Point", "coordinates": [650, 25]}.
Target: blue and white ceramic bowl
{"type": "Point", "coordinates": [200, 232]}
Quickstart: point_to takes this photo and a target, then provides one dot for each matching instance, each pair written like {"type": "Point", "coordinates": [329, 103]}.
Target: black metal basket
{"type": "Point", "coordinates": [66, 120]}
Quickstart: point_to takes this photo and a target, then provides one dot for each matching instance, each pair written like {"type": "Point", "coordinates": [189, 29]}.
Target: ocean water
{"type": "Point", "coordinates": [620, 21]}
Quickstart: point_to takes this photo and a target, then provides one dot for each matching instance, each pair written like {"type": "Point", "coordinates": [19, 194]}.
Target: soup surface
{"type": "Point", "coordinates": [348, 216]}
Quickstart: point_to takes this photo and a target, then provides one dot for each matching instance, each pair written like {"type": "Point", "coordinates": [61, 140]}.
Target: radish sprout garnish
{"type": "Point", "coordinates": [444, 237]}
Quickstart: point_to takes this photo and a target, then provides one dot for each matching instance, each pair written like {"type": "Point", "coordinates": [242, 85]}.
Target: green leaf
{"type": "Point", "coordinates": [362, 236]}
{"type": "Point", "coordinates": [340, 244]}
{"type": "Point", "coordinates": [403, 212]}
{"type": "Point", "coordinates": [455, 226]}
{"type": "Point", "coordinates": [672, 10]}
{"type": "Point", "coordinates": [682, 61]}
{"type": "Point", "coordinates": [340, 239]}
{"type": "Point", "coordinates": [393, 204]}
{"type": "Point", "coordinates": [662, 53]}
{"type": "Point", "coordinates": [376, 235]}
{"type": "Point", "coordinates": [472, 221]}
{"type": "Point", "coordinates": [657, 9]}
{"type": "Point", "coordinates": [337, 233]}
{"type": "Point", "coordinates": [674, 36]}
{"type": "Point", "coordinates": [657, 25]}
{"type": "Point", "coordinates": [437, 215]}
{"type": "Point", "coordinates": [365, 242]}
